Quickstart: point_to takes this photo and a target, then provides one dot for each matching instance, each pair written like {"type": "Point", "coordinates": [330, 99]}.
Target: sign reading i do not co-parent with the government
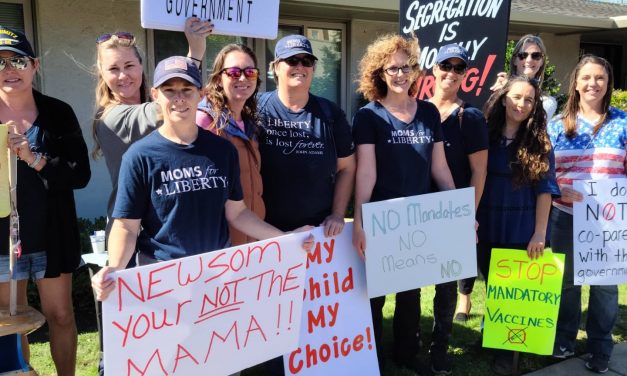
{"type": "Point", "coordinates": [246, 18]}
{"type": "Point", "coordinates": [420, 240]}
{"type": "Point", "coordinates": [600, 232]}
{"type": "Point", "coordinates": [210, 314]}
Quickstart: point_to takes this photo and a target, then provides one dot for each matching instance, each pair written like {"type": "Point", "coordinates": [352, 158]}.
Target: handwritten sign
{"type": "Point", "coordinates": [479, 26]}
{"type": "Point", "coordinates": [247, 18]}
{"type": "Point", "coordinates": [522, 301]}
{"type": "Point", "coordinates": [600, 232]}
{"type": "Point", "coordinates": [214, 313]}
{"type": "Point", "coordinates": [336, 330]}
{"type": "Point", "coordinates": [420, 240]}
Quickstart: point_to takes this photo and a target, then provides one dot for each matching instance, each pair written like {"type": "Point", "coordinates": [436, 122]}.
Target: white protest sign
{"type": "Point", "coordinates": [336, 334]}
{"type": "Point", "coordinates": [600, 232]}
{"type": "Point", "coordinates": [420, 240]}
{"type": "Point", "coordinates": [246, 18]}
{"type": "Point", "coordinates": [214, 313]}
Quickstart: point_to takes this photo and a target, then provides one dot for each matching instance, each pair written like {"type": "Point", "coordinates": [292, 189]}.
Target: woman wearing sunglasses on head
{"type": "Point", "coordinates": [590, 141]}
{"type": "Point", "coordinates": [399, 152]}
{"type": "Point", "coordinates": [124, 113]}
{"type": "Point", "coordinates": [229, 109]}
{"type": "Point", "coordinates": [529, 59]}
{"type": "Point", "coordinates": [466, 146]}
{"type": "Point", "coordinates": [53, 161]}
{"type": "Point", "coordinates": [306, 146]}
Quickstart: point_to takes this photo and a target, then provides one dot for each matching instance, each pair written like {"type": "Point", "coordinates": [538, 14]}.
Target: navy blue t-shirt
{"type": "Point", "coordinates": [178, 192]}
{"type": "Point", "coordinates": [403, 150]}
{"type": "Point", "coordinates": [299, 152]}
{"type": "Point", "coordinates": [461, 140]}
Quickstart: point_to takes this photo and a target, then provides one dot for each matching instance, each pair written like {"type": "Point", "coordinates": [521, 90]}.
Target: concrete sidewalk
{"type": "Point", "coordinates": [575, 366]}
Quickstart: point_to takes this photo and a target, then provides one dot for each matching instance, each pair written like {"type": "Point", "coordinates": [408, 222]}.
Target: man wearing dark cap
{"type": "Point", "coordinates": [466, 146]}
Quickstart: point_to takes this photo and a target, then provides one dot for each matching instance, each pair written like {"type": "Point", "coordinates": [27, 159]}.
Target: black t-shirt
{"type": "Point", "coordinates": [462, 140]}
{"type": "Point", "coordinates": [32, 200]}
{"type": "Point", "coordinates": [403, 150]}
{"type": "Point", "coordinates": [299, 152]}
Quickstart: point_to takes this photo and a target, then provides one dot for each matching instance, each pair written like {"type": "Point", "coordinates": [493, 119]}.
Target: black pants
{"type": "Point", "coordinates": [406, 322]}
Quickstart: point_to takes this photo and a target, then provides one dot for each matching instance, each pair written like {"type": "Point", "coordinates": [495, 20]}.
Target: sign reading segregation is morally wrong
{"type": "Point", "coordinates": [478, 25]}
{"type": "Point", "coordinates": [600, 232]}
{"type": "Point", "coordinates": [214, 313]}
{"type": "Point", "coordinates": [409, 242]}
{"type": "Point", "coordinates": [522, 301]}
{"type": "Point", "coordinates": [247, 18]}
{"type": "Point", "coordinates": [336, 335]}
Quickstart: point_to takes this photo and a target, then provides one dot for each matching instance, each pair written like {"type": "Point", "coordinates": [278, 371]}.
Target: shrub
{"type": "Point", "coordinates": [619, 99]}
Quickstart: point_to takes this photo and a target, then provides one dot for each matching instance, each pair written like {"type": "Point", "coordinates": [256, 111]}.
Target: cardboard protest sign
{"type": "Point", "coordinates": [336, 334]}
{"type": "Point", "coordinates": [478, 25]}
{"type": "Point", "coordinates": [409, 242]}
{"type": "Point", "coordinates": [522, 301]}
{"type": "Point", "coordinates": [247, 18]}
{"type": "Point", "coordinates": [214, 313]}
{"type": "Point", "coordinates": [600, 232]}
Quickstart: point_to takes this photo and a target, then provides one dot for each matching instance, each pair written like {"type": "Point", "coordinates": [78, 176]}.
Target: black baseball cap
{"type": "Point", "coordinates": [15, 40]}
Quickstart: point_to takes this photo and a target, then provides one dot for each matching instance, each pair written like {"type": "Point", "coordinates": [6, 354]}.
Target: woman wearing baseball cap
{"type": "Point", "coordinates": [53, 161]}
{"type": "Point", "coordinates": [149, 207]}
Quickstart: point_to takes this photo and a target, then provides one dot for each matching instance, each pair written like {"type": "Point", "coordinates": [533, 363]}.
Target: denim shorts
{"type": "Point", "coordinates": [29, 266]}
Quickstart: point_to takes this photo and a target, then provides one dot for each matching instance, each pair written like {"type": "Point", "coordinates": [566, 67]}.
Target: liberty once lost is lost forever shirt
{"type": "Point", "coordinates": [403, 150]}
{"type": "Point", "coordinates": [299, 152]}
{"type": "Point", "coordinates": [179, 192]}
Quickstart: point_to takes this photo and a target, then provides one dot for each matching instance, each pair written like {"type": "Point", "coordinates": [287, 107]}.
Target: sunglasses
{"type": "Point", "coordinates": [236, 72]}
{"type": "Point", "coordinates": [125, 38]}
{"type": "Point", "coordinates": [457, 68]}
{"type": "Point", "coordinates": [534, 55]}
{"type": "Point", "coordinates": [306, 61]}
{"type": "Point", "coordinates": [17, 62]}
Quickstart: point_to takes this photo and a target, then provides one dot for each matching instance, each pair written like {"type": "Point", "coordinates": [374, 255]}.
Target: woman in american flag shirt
{"type": "Point", "coordinates": [589, 139]}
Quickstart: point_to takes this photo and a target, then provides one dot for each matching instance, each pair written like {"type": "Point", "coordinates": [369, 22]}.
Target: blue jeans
{"type": "Point", "coordinates": [602, 305]}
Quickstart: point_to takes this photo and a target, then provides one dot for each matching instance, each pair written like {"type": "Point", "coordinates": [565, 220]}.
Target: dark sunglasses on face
{"type": "Point", "coordinates": [306, 61]}
{"type": "Point", "coordinates": [457, 68]}
{"type": "Point", "coordinates": [534, 55]}
{"type": "Point", "coordinates": [236, 72]}
{"type": "Point", "coordinates": [393, 71]}
{"type": "Point", "coordinates": [17, 62]}
{"type": "Point", "coordinates": [125, 37]}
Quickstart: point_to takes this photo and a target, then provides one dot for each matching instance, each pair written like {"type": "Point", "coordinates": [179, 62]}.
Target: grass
{"type": "Point", "coordinates": [467, 359]}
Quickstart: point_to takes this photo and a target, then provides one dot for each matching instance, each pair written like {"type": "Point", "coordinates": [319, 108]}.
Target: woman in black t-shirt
{"type": "Point", "coordinates": [399, 150]}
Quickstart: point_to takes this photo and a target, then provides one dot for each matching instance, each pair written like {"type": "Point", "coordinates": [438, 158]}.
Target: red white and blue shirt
{"type": "Point", "coordinates": [587, 156]}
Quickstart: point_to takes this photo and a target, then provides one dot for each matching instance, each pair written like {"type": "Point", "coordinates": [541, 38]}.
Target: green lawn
{"type": "Point", "coordinates": [467, 359]}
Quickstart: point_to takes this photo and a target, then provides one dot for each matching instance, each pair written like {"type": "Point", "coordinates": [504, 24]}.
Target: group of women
{"type": "Point", "coordinates": [232, 133]}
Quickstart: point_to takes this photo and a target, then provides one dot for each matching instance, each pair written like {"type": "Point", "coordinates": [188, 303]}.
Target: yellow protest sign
{"type": "Point", "coordinates": [522, 301]}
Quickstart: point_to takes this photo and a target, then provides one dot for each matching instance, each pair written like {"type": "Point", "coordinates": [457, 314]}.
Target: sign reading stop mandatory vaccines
{"type": "Point", "coordinates": [478, 25]}
{"type": "Point", "coordinates": [336, 335]}
{"type": "Point", "coordinates": [420, 240]}
{"type": "Point", "coordinates": [600, 232]}
{"type": "Point", "coordinates": [209, 314]}
{"type": "Point", "coordinates": [247, 18]}
{"type": "Point", "coordinates": [522, 301]}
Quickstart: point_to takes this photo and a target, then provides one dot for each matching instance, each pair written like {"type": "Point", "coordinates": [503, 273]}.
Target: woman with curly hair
{"type": "Point", "coordinates": [229, 110]}
{"type": "Point", "coordinates": [514, 209]}
{"type": "Point", "coordinates": [590, 141]}
{"type": "Point", "coordinates": [391, 167]}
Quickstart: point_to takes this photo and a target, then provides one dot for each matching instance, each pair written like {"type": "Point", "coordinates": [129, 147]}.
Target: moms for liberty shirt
{"type": "Point", "coordinates": [179, 192]}
{"type": "Point", "coordinates": [403, 150]}
{"type": "Point", "coordinates": [299, 152]}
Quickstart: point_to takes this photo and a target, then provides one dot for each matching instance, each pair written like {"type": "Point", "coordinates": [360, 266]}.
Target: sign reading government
{"type": "Point", "coordinates": [522, 301]}
{"type": "Point", "coordinates": [210, 314]}
{"type": "Point", "coordinates": [420, 240]}
{"type": "Point", "coordinates": [247, 18]}
{"type": "Point", "coordinates": [600, 232]}
{"type": "Point", "coordinates": [478, 25]}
